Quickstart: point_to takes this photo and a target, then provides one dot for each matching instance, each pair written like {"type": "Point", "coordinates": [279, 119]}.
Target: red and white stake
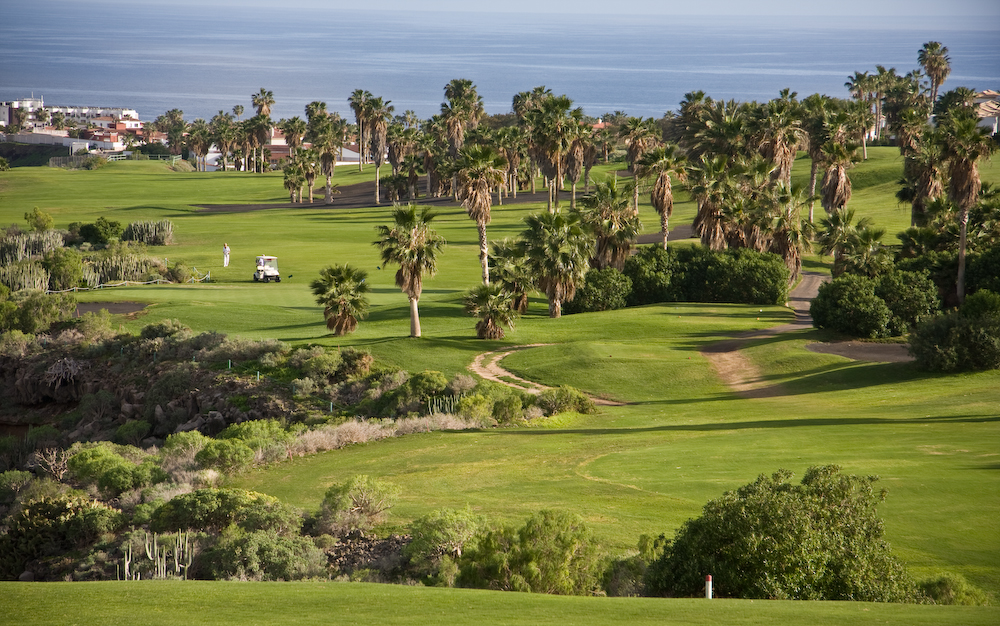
{"type": "Point", "coordinates": [708, 587]}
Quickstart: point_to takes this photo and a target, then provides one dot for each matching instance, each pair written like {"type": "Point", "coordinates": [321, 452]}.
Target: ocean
{"type": "Point", "coordinates": [202, 60]}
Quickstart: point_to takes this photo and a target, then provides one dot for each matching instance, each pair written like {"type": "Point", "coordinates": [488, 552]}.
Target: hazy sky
{"type": "Point", "coordinates": [843, 8]}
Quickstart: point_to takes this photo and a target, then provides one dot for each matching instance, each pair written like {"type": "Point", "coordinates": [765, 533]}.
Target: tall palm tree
{"type": "Point", "coordinates": [816, 109]}
{"type": "Point", "coordinates": [263, 100]}
{"type": "Point", "coordinates": [933, 57]}
{"type": "Point", "coordinates": [838, 232]}
{"type": "Point", "coordinates": [200, 141]}
{"type": "Point", "coordinates": [663, 162]}
{"type": "Point", "coordinates": [238, 112]}
{"type": "Point", "coordinates": [925, 180]}
{"type": "Point", "coordinates": [639, 134]}
{"type": "Point", "coordinates": [480, 169]}
{"type": "Point", "coordinates": [359, 104]}
{"type": "Point", "coordinates": [709, 186]}
{"type": "Point", "coordinates": [379, 114]}
{"type": "Point", "coordinates": [779, 128]}
{"type": "Point", "coordinates": [835, 190]}
{"type": "Point", "coordinates": [790, 237]}
{"type": "Point", "coordinates": [294, 130]}
{"type": "Point", "coordinates": [494, 306]}
{"type": "Point", "coordinates": [607, 214]}
{"type": "Point", "coordinates": [552, 124]}
{"type": "Point", "coordinates": [223, 135]}
{"type": "Point", "coordinates": [557, 249]}
{"type": "Point", "coordinates": [293, 180]}
{"type": "Point", "coordinates": [327, 133]}
{"type": "Point", "coordinates": [965, 144]}
{"type": "Point", "coordinates": [340, 290]}
{"type": "Point", "coordinates": [414, 246]}
{"type": "Point", "coordinates": [309, 166]}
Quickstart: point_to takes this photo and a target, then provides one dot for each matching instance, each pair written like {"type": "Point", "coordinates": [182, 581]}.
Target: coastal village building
{"type": "Point", "coordinates": [988, 108]}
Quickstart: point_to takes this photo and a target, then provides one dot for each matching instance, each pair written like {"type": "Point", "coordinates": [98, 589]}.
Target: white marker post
{"type": "Point", "coordinates": [708, 587]}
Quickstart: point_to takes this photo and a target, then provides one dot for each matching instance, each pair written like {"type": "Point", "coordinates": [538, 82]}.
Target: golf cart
{"type": "Point", "coordinates": [267, 269]}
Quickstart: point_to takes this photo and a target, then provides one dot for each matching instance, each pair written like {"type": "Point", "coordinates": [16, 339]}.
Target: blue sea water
{"type": "Point", "coordinates": [202, 60]}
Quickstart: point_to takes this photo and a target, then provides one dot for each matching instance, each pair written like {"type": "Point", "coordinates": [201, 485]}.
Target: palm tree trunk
{"type": "Point", "coordinates": [329, 189]}
{"type": "Point", "coordinates": [635, 194]}
{"type": "Point", "coordinates": [813, 170]}
{"type": "Point", "coordinates": [665, 227]}
{"type": "Point", "coordinates": [557, 182]}
{"type": "Point", "coordinates": [376, 184]}
{"type": "Point", "coordinates": [484, 258]}
{"type": "Point", "coordinates": [414, 318]}
{"type": "Point", "coordinates": [963, 221]}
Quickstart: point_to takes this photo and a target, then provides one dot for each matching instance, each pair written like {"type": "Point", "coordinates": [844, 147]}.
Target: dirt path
{"type": "Point", "coordinates": [740, 374]}
{"type": "Point", "coordinates": [487, 365]}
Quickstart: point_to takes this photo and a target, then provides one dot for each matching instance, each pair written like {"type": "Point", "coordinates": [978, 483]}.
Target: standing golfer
{"type": "Point", "coordinates": [225, 255]}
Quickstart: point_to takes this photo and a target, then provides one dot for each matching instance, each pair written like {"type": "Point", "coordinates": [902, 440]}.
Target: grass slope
{"type": "Point", "coordinates": [645, 467]}
{"type": "Point", "coordinates": [218, 603]}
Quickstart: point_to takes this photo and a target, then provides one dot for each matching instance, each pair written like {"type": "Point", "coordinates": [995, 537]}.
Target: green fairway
{"type": "Point", "coordinates": [252, 604]}
{"type": "Point", "coordinates": [681, 439]}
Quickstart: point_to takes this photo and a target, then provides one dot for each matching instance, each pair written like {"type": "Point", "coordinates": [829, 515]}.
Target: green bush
{"type": "Point", "coordinates": [983, 303]}
{"type": "Point", "coordinates": [602, 290]}
{"type": "Point", "coordinates": [265, 555]}
{"type": "Point", "coordinates": [910, 296]}
{"type": "Point", "coordinates": [229, 456]}
{"type": "Point", "coordinates": [267, 437]}
{"type": "Point", "coordinates": [821, 540]}
{"type": "Point", "coordinates": [359, 503]}
{"type": "Point", "coordinates": [439, 539]}
{"type": "Point", "coordinates": [165, 328]}
{"type": "Point", "coordinates": [953, 589]}
{"type": "Point", "coordinates": [849, 305]}
{"type": "Point", "coordinates": [51, 527]}
{"type": "Point", "coordinates": [564, 398]}
{"type": "Point", "coordinates": [65, 268]}
{"type": "Point", "coordinates": [554, 552]}
{"type": "Point", "coordinates": [132, 432]}
{"type": "Point", "coordinates": [101, 232]}
{"type": "Point", "coordinates": [102, 466]}
{"type": "Point", "coordinates": [983, 271]}
{"type": "Point", "coordinates": [954, 342]}
{"type": "Point", "coordinates": [216, 509]}
{"type": "Point", "coordinates": [651, 271]}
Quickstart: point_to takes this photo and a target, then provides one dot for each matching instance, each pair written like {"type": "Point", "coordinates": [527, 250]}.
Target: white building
{"type": "Point", "coordinates": [74, 114]}
{"type": "Point", "coordinates": [988, 108]}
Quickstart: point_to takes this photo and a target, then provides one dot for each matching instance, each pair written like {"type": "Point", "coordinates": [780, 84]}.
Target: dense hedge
{"type": "Point", "coordinates": [874, 307]}
{"type": "Point", "coordinates": [697, 274]}
{"type": "Point", "coordinates": [602, 290]}
{"type": "Point", "coordinates": [967, 339]}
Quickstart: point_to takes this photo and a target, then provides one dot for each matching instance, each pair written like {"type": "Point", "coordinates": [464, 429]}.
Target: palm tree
{"type": "Point", "coordinates": [933, 57]}
{"type": "Point", "coordinates": [639, 135]}
{"type": "Point", "coordinates": [965, 143]}
{"type": "Point", "coordinates": [557, 248]}
{"type": "Point", "coordinates": [340, 290]}
{"type": "Point", "coordinates": [837, 234]}
{"type": "Point", "coordinates": [709, 186]}
{"type": "Point", "coordinates": [309, 165]}
{"type": "Point", "coordinates": [294, 130]}
{"type": "Point", "coordinates": [552, 124]}
{"type": "Point", "coordinates": [200, 141]}
{"type": "Point", "coordinates": [263, 100]}
{"type": "Point", "coordinates": [835, 190]}
{"type": "Point", "coordinates": [379, 113]}
{"type": "Point", "coordinates": [480, 170]}
{"type": "Point", "coordinates": [607, 214]}
{"type": "Point", "coordinates": [294, 179]}
{"type": "Point", "coordinates": [223, 135]}
{"type": "Point", "coordinates": [494, 306]}
{"type": "Point", "coordinates": [816, 109]}
{"type": "Point", "coordinates": [789, 235]}
{"type": "Point", "coordinates": [663, 162]}
{"type": "Point", "coordinates": [925, 181]}
{"type": "Point", "coordinates": [238, 112]}
{"type": "Point", "coordinates": [511, 271]}
{"type": "Point", "coordinates": [359, 104]}
{"type": "Point", "coordinates": [414, 246]}
{"type": "Point", "coordinates": [779, 128]}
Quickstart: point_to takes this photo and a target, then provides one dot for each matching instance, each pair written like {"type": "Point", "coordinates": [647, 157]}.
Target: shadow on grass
{"type": "Point", "coordinates": [817, 422]}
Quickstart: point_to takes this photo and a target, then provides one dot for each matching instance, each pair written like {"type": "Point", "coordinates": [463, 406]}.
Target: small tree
{"type": "Point", "coordinates": [494, 306]}
{"type": "Point", "coordinates": [821, 540]}
{"type": "Point", "coordinates": [360, 503]}
{"type": "Point", "coordinates": [38, 220]}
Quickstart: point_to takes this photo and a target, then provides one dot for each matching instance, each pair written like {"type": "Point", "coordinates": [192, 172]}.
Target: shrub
{"type": "Point", "coordinates": [132, 432]}
{"type": "Point", "coordinates": [101, 232]}
{"type": "Point", "coordinates": [216, 509]}
{"type": "Point", "coordinates": [226, 455]}
{"type": "Point", "coordinates": [910, 297]}
{"type": "Point", "coordinates": [102, 466]}
{"type": "Point", "coordinates": [65, 268]}
{"type": "Point", "coordinates": [651, 270]}
{"type": "Point", "coordinates": [354, 363]}
{"type": "Point", "coordinates": [38, 220]}
{"type": "Point", "coordinates": [553, 552]}
{"type": "Point", "coordinates": [984, 271]}
{"type": "Point", "coordinates": [954, 342]}
{"type": "Point", "coordinates": [53, 526]}
{"type": "Point", "coordinates": [439, 539]}
{"type": "Point", "coordinates": [821, 540]}
{"type": "Point", "coordinates": [165, 328]}
{"type": "Point", "coordinates": [602, 290]}
{"type": "Point", "coordinates": [984, 303]}
{"type": "Point", "coordinates": [360, 503]}
{"type": "Point", "coordinates": [953, 589]}
{"type": "Point", "coordinates": [849, 305]}
{"type": "Point", "coordinates": [265, 555]}
{"type": "Point", "coordinates": [564, 398]}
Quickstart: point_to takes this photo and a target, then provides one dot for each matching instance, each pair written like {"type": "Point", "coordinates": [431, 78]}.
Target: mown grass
{"type": "Point", "coordinates": [645, 467]}
{"type": "Point", "coordinates": [167, 603]}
